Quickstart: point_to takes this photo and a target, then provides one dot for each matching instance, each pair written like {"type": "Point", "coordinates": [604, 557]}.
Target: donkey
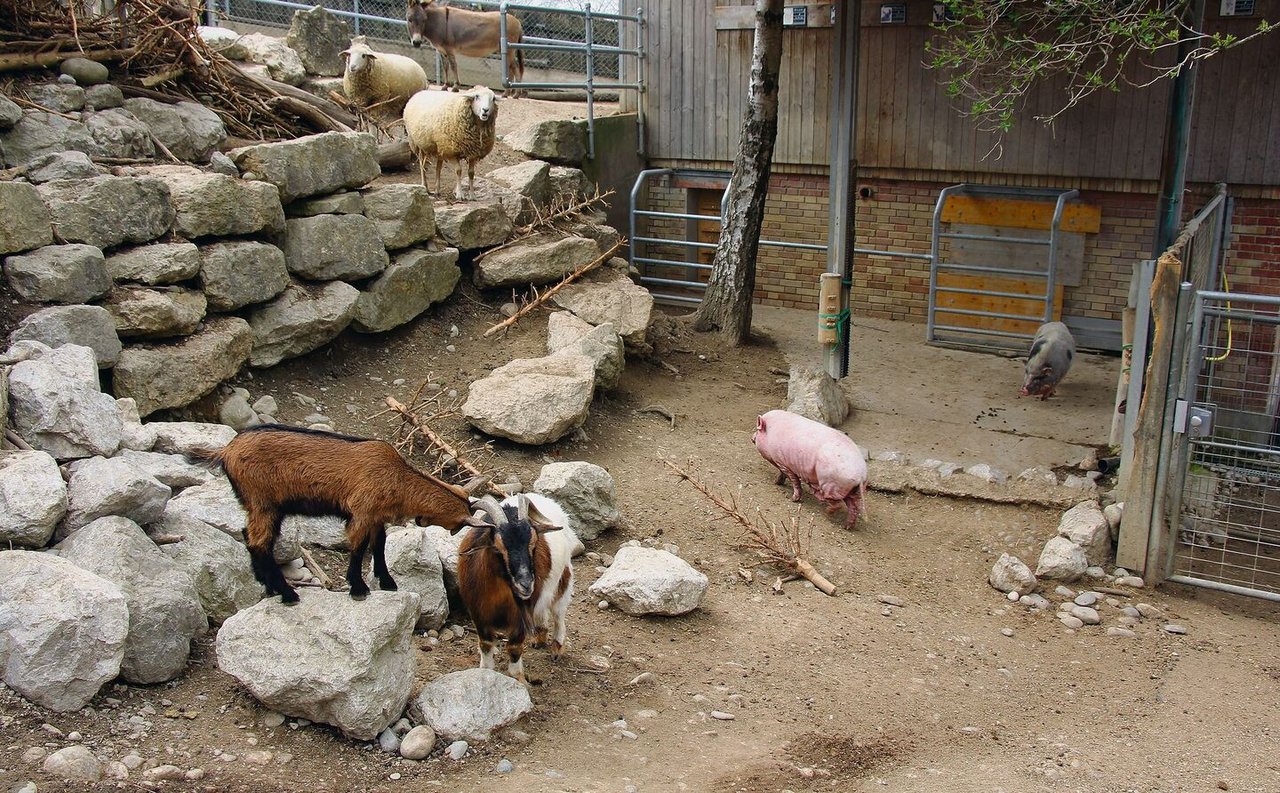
{"type": "Point", "coordinates": [455, 30]}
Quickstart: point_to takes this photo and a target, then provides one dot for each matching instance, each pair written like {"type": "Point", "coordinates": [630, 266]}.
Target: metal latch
{"type": "Point", "coordinates": [1194, 420]}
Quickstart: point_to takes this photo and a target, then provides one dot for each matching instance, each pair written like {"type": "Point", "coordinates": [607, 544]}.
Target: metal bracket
{"type": "Point", "coordinates": [1194, 420]}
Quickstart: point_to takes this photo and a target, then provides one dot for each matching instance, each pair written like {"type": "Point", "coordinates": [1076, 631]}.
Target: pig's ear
{"type": "Point", "coordinates": [759, 423]}
{"type": "Point", "coordinates": [1046, 371]}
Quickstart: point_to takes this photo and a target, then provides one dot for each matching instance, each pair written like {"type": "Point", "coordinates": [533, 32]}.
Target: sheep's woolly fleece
{"type": "Point", "coordinates": [383, 79]}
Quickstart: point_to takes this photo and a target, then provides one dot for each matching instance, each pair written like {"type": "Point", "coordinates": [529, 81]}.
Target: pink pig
{"type": "Point", "coordinates": [822, 457]}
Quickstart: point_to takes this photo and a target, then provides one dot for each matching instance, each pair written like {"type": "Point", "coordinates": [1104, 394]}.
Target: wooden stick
{"type": "Point", "coordinates": [167, 539]}
{"type": "Point", "coordinates": [440, 443]}
{"type": "Point", "coordinates": [525, 231]}
{"type": "Point", "coordinates": [13, 438]}
{"type": "Point", "coordinates": [16, 61]}
{"type": "Point", "coordinates": [314, 567]}
{"type": "Point", "coordinates": [542, 298]}
{"type": "Point", "coordinates": [660, 410]}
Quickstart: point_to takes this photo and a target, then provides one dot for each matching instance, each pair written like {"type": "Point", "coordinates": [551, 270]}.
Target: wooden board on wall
{"type": "Point", "coordinates": [1020, 214]}
{"type": "Point", "coordinates": [1017, 255]}
{"type": "Point", "coordinates": [1031, 306]}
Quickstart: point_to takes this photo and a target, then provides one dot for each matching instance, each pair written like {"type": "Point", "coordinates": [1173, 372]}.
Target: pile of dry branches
{"type": "Point", "coordinates": [156, 46]}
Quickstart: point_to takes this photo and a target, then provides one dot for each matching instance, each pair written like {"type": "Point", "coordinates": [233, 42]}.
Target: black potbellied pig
{"type": "Point", "coordinates": [1049, 360]}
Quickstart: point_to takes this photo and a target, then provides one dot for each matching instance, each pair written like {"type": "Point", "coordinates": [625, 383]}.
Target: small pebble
{"type": "Point", "coordinates": [1062, 591]}
{"type": "Point", "coordinates": [194, 775]}
{"type": "Point", "coordinates": [1070, 621]}
{"type": "Point", "coordinates": [1174, 628]}
{"type": "Point", "coordinates": [74, 736]}
{"type": "Point", "coordinates": [395, 776]}
{"type": "Point", "coordinates": [505, 766]}
{"type": "Point", "coordinates": [628, 734]}
{"type": "Point", "coordinates": [1086, 598]}
{"type": "Point", "coordinates": [457, 750]}
{"type": "Point", "coordinates": [1125, 632]}
{"type": "Point", "coordinates": [603, 605]}
{"type": "Point", "coordinates": [1130, 580]}
{"type": "Point", "coordinates": [1013, 595]}
{"type": "Point", "coordinates": [1149, 611]}
{"type": "Point", "coordinates": [272, 719]}
{"type": "Point", "coordinates": [1130, 611]}
{"type": "Point", "coordinates": [891, 600]}
{"type": "Point", "coordinates": [720, 715]}
{"type": "Point", "coordinates": [1007, 631]}
{"type": "Point", "coordinates": [1086, 615]}
{"type": "Point", "coordinates": [643, 677]}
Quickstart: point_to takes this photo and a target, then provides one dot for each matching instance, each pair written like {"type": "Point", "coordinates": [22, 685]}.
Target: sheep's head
{"type": "Point", "coordinates": [484, 103]}
{"type": "Point", "coordinates": [514, 533]}
{"type": "Point", "coordinates": [359, 56]}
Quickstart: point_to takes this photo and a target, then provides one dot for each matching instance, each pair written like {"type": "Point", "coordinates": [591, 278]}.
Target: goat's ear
{"type": "Point", "coordinates": [536, 518]}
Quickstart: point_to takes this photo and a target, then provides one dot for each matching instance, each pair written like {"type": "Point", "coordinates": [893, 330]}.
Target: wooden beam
{"type": "Point", "coordinates": [1020, 214]}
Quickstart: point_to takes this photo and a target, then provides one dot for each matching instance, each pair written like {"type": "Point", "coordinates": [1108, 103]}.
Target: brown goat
{"type": "Point", "coordinates": [456, 30]}
{"type": "Point", "coordinates": [515, 577]}
{"type": "Point", "coordinates": [277, 471]}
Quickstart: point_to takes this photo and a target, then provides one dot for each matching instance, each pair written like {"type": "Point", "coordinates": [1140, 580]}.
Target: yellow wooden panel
{"type": "Point", "coordinates": [1019, 214]}
{"type": "Point", "coordinates": [1033, 305]}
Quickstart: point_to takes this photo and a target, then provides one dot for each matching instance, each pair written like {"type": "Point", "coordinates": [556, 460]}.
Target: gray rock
{"type": "Point", "coordinates": [169, 469]}
{"type": "Point", "coordinates": [1085, 525]}
{"type": "Point", "coordinates": [457, 750]}
{"type": "Point", "coordinates": [415, 565]}
{"type": "Point", "coordinates": [26, 222]}
{"type": "Point", "coordinates": [103, 97]}
{"type": "Point", "coordinates": [118, 133]}
{"type": "Point", "coordinates": [215, 503]}
{"type": "Point", "coordinates": [1035, 602]}
{"type": "Point", "coordinates": [649, 581]}
{"type": "Point", "coordinates": [221, 163]}
{"type": "Point", "coordinates": [1073, 622]}
{"type": "Point", "coordinates": [10, 113]}
{"type": "Point", "coordinates": [604, 295]}
{"type": "Point", "coordinates": [532, 400]}
{"type": "Point", "coordinates": [1085, 614]}
{"type": "Point", "coordinates": [538, 259]}
{"type": "Point", "coordinates": [66, 274]}
{"type": "Point", "coordinates": [241, 273]}
{"type": "Point", "coordinates": [62, 165]}
{"type": "Point", "coordinates": [1114, 513]}
{"type": "Point", "coordinates": [568, 184]}
{"type": "Point", "coordinates": [75, 763]}
{"type": "Point", "coordinates": [216, 205]}
{"type": "Point", "coordinates": [266, 404]}
{"type": "Point", "coordinates": [161, 313]}
{"type": "Point", "coordinates": [279, 58]}
{"type": "Point", "coordinates": [99, 487]}
{"type": "Point", "coordinates": [133, 434]}
{"type": "Point", "coordinates": [403, 214]}
{"type": "Point", "coordinates": [64, 629]}
{"type": "Point", "coordinates": [605, 236]}
{"type": "Point", "coordinates": [585, 492]}
{"type": "Point", "coordinates": [58, 97]}
{"type": "Point", "coordinates": [37, 133]}
{"type": "Point", "coordinates": [237, 414]}
{"type": "Point", "coordinates": [1061, 559]}
{"type": "Point", "coordinates": [302, 319]}
{"type": "Point", "coordinates": [184, 437]}
{"type": "Point", "coordinates": [417, 743]}
{"type": "Point", "coordinates": [173, 374]}
{"type": "Point", "coordinates": [219, 566]}
{"type": "Point", "coordinates": [415, 280]}
{"type": "Point", "coordinates": [568, 335]}
{"type": "Point", "coordinates": [224, 41]}
{"type": "Point", "coordinates": [334, 247]}
{"type": "Point", "coordinates": [348, 203]}
{"type": "Point", "coordinates": [560, 141]}
{"type": "Point", "coordinates": [318, 37]}
{"type": "Point", "coordinates": [389, 742]}
{"type": "Point", "coordinates": [87, 326]}
{"type": "Point", "coordinates": [55, 405]}
{"type": "Point", "coordinates": [164, 609]}
{"type": "Point", "coordinates": [153, 265]}
{"type": "Point", "coordinates": [328, 659]}
{"type": "Point", "coordinates": [85, 71]}
{"type": "Point", "coordinates": [1010, 574]}
{"type": "Point", "coordinates": [33, 499]}
{"type": "Point", "coordinates": [312, 165]}
{"type": "Point", "coordinates": [814, 394]}
{"type": "Point", "coordinates": [530, 181]}
{"type": "Point", "coordinates": [470, 226]}
{"type": "Point", "coordinates": [987, 473]}
{"type": "Point", "coordinates": [188, 129]}
{"type": "Point", "coordinates": [108, 210]}
{"type": "Point", "coordinates": [471, 704]}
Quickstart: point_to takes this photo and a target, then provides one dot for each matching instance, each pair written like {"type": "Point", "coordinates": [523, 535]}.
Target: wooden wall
{"type": "Point", "coordinates": [697, 79]}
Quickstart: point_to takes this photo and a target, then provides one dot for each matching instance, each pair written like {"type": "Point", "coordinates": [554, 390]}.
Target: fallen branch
{"type": "Point", "coordinates": [542, 298]}
{"type": "Point", "coordinates": [314, 567]}
{"type": "Point", "coordinates": [309, 112]}
{"type": "Point", "coordinates": [12, 437]}
{"type": "Point", "coordinates": [558, 213]}
{"type": "Point", "coordinates": [16, 61]}
{"type": "Point", "coordinates": [661, 411]}
{"type": "Point", "coordinates": [167, 539]}
{"type": "Point", "coordinates": [440, 443]}
{"type": "Point", "coordinates": [782, 549]}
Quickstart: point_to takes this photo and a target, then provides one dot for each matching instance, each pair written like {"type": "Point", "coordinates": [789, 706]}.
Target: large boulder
{"type": "Point", "coordinates": [1011, 574]}
{"type": "Point", "coordinates": [172, 374]}
{"type": "Point", "coordinates": [25, 223]}
{"type": "Point", "coordinates": [586, 493]}
{"type": "Point", "coordinates": [471, 705]}
{"type": "Point", "coordinates": [33, 499]}
{"type": "Point", "coordinates": [68, 274]}
{"type": "Point", "coordinates": [239, 273]}
{"type": "Point", "coordinates": [156, 264]}
{"type": "Point", "coordinates": [415, 280]}
{"type": "Point", "coordinates": [281, 61]}
{"type": "Point", "coordinates": [98, 487]}
{"type": "Point", "coordinates": [562, 142]}
{"type": "Point", "coordinates": [118, 133]}
{"type": "Point", "coordinates": [215, 504]}
{"type": "Point", "coordinates": [164, 609]}
{"type": "Point", "coordinates": [219, 566]}
{"type": "Point", "coordinates": [109, 210]}
{"type": "Point", "coordinates": [191, 131]}
{"type": "Point", "coordinates": [55, 404]}
{"type": "Point", "coordinates": [532, 400]}
{"type": "Point", "coordinates": [168, 469]}
{"type": "Point", "coordinates": [313, 165]}
{"type": "Point", "coordinates": [319, 37]}
{"type": "Point", "coordinates": [138, 312]}
{"type": "Point", "coordinates": [469, 226]}
{"type": "Point", "coordinates": [537, 259]}
{"type": "Point", "coordinates": [302, 319]}
{"type": "Point", "coordinates": [62, 630]}
{"type": "Point", "coordinates": [329, 247]}
{"type": "Point", "coordinates": [87, 326]}
{"type": "Point", "coordinates": [328, 659]}
{"type": "Point", "coordinates": [61, 165]}
{"type": "Point", "coordinates": [403, 214]}
{"type": "Point", "coordinates": [607, 295]}
{"type": "Point", "coordinates": [37, 134]}
{"type": "Point", "coordinates": [569, 335]}
{"type": "Point", "coordinates": [217, 205]}
{"type": "Point", "coordinates": [1061, 559]}
{"type": "Point", "coordinates": [650, 581]}
{"type": "Point", "coordinates": [814, 394]}
{"type": "Point", "coordinates": [415, 565]}
{"type": "Point", "coordinates": [1086, 526]}
{"type": "Point", "coordinates": [184, 437]}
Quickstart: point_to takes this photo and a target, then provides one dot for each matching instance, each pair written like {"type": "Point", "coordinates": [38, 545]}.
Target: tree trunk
{"type": "Point", "coordinates": [726, 306]}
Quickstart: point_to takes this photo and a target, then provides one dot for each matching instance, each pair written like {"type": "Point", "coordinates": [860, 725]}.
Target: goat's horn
{"type": "Point", "coordinates": [522, 507]}
{"type": "Point", "coordinates": [490, 506]}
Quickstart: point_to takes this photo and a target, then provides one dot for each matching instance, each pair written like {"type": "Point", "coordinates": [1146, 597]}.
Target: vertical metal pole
{"type": "Point", "coordinates": [355, 10]}
{"type": "Point", "coordinates": [641, 41]}
{"type": "Point", "coordinates": [1177, 136]}
{"type": "Point", "coordinates": [589, 34]}
{"type": "Point", "coordinates": [502, 43]}
{"type": "Point", "coordinates": [840, 217]}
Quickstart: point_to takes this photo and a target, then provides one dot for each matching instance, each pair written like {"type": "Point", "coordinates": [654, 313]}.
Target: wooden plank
{"type": "Point", "coordinates": [1031, 307]}
{"type": "Point", "coordinates": [1018, 256]}
{"type": "Point", "coordinates": [1020, 214]}
{"type": "Point", "coordinates": [688, 71]}
{"type": "Point", "coordinates": [900, 44]}
{"type": "Point", "coordinates": [720, 124]}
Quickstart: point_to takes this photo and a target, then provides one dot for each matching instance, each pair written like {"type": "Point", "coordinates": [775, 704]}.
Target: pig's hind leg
{"type": "Point", "coordinates": [783, 474]}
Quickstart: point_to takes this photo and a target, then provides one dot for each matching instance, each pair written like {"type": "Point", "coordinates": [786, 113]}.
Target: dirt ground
{"type": "Point", "coordinates": [841, 693]}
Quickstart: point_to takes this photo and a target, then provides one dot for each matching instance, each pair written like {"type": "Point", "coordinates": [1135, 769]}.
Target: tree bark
{"type": "Point", "coordinates": [726, 305]}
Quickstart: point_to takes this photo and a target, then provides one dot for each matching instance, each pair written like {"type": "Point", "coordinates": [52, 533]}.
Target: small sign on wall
{"type": "Point", "coordinates": [1237, 8]}
{"type": "Point", "coordinates": [894, 13]}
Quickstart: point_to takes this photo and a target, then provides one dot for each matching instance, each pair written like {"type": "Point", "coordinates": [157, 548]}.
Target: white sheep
{"type": "Point", "coordinates": [380, 82]}
{"type": "Point", "coordinates": [445, 126]}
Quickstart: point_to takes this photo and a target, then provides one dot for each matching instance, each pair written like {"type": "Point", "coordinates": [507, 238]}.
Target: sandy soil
{"type": "Point", "coordinates": [839, 693]}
